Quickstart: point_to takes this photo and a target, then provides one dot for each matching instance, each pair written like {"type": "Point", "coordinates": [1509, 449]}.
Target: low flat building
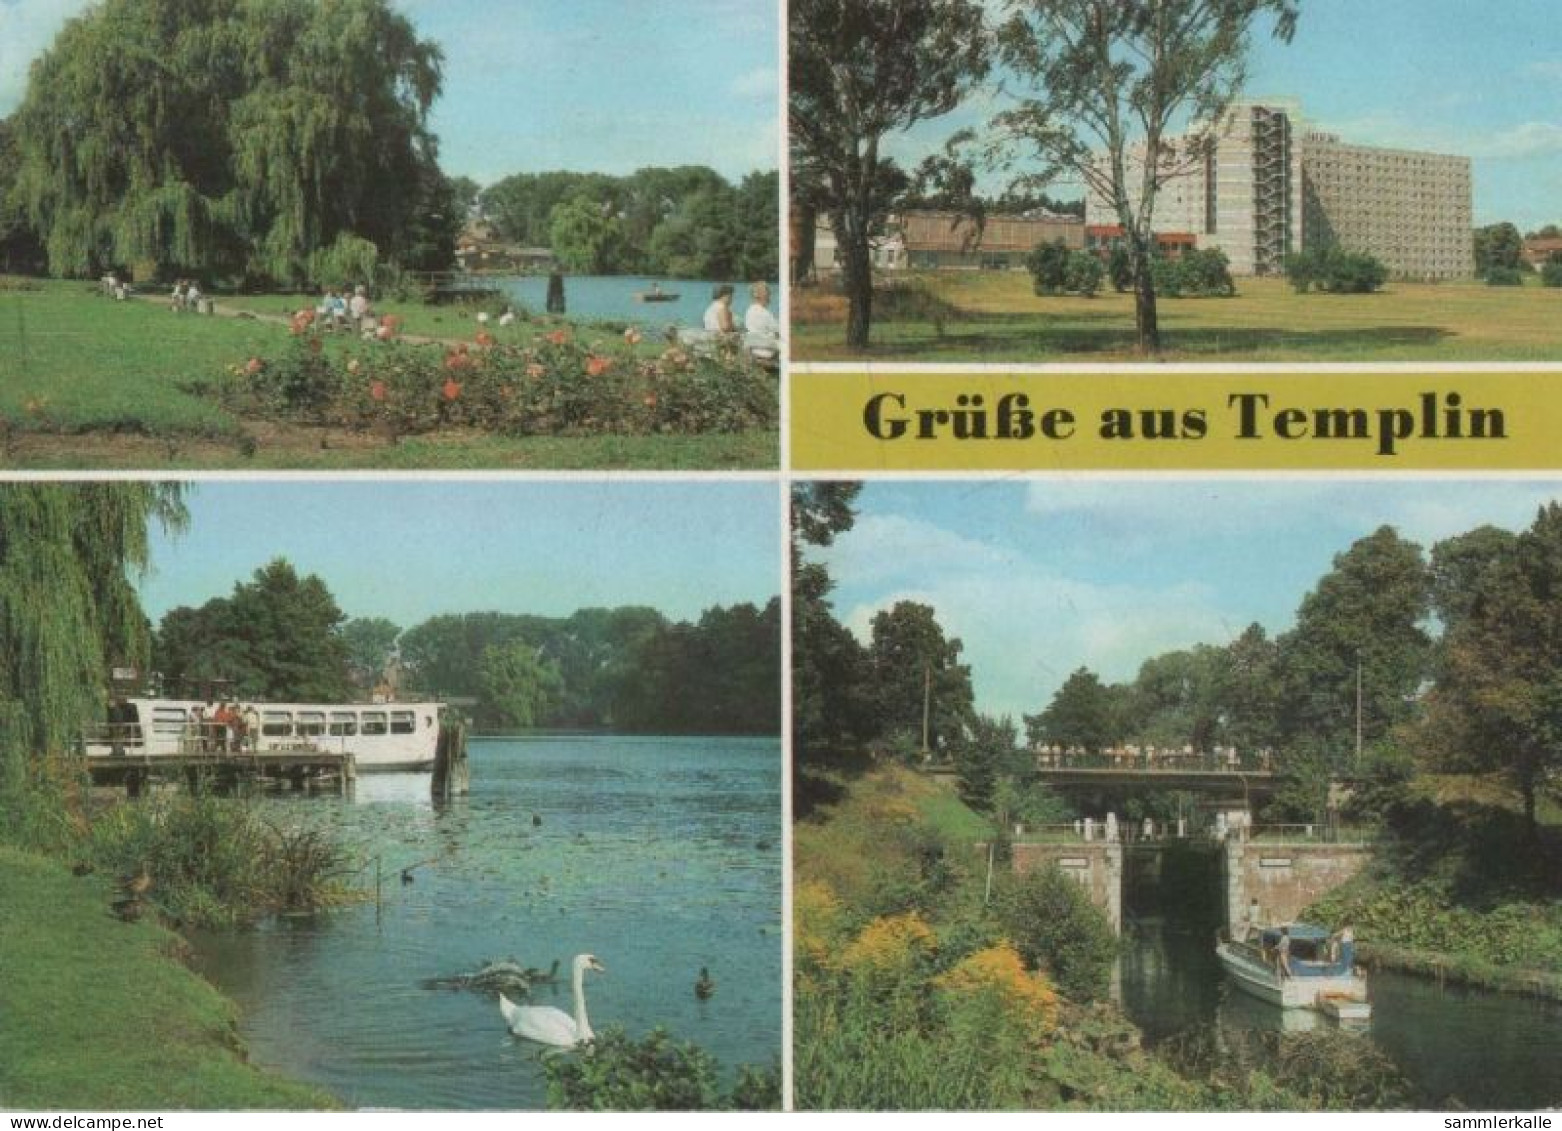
{"type": "Point", "coordinates": [1538, 252]}
{"type": "Point", "coordinates": [927, 240]}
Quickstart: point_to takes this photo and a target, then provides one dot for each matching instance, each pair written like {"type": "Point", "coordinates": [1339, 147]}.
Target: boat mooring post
{"type": "Point", "coordinates": [452, 778]}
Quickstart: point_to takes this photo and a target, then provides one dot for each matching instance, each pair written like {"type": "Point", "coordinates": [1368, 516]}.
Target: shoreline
{"type": "Point", "coordinates": [1517, 981]}
{"type": "Point", "coordinates": [173, 1043]}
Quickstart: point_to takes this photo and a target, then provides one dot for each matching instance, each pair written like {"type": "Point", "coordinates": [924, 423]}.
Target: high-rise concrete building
{"type": "Point", "coordinates": [1270, 185]}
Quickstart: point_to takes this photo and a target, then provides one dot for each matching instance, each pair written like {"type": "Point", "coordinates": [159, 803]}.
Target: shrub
{"type": "Point", "coordinates": [657, 1073]}
{"type": "Point", "coordinates": [1120, 269]}
{"type": "Point", "coordinates": [215, 861]}
{"type": "Point", "coordinates": [558, 384]}
{"type": "Point", "coordinates": [1048, 266]}
{"type": "Point", "coordinates": [1083, 274]}
{"type": "Point", "coordinates": [1332, 270]}
{"type": "Point", "coordinates": [1551, 272]}
{"type": "Point", "coordinates": [1497, 276]}
{"type": "Point", "coordinates": [1056, 928]}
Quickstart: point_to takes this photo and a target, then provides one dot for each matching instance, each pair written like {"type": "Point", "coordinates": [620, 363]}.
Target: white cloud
{"type": "Point", "coordinates": [26, 28]}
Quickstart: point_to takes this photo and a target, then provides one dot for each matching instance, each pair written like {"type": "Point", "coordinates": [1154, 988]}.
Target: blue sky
{"type": "Point", "coordinates": [534, 85]}
{"type": "Point", "coordinates": [1451, 76]}
{"type": "Point", "coordinates": [1039, 578]}
{"type": "Point", "coordinates": [410, 550]}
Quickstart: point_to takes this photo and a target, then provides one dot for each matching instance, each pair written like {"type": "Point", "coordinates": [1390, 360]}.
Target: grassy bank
{"type": "Point", "coordinates": [89, 382]}
{"type": "Point", "coordinates": [96, 1014]}
{"type": "Point", "coordinates": [994, 317]}
{"type": "Point", "coordinates": [1460, 890]}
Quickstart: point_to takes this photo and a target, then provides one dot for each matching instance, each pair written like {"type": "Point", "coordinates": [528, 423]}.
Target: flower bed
{"type": "Point", "coordinates": [558, 384]}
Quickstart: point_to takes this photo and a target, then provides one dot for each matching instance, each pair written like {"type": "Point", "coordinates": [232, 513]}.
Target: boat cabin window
{"type": "Point", "coordinates": [404, 722]}
{"type": "Point", "coordinates": [343, 724]}
{"type": "Point", "coordinates": [168, 720]}
{"type": "Point", "coordinates": [374, 722]}
{"type": "Point", "coordinates": [311, 723]}
{"type": "Point", "coordinates": [276, 724]}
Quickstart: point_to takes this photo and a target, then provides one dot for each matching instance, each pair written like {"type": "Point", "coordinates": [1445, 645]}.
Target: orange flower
{"type": "Point", "coordinates": [452, 389]}
{"type": "Point", "coordinates": [255, 366]}
{"type": "Point", "coordinates": [485, 339]}
{"type": "Point", "coordinates": [377, 390]}
{"type": "Point", "coordinates": [559, 337]}
{"type": "Point", "coordinates": [596, 366]}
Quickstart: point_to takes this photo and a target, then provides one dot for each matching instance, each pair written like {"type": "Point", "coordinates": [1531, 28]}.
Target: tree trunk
{"type": "Point", "coordinates": [857, 277]}
{"type": "Point", "coordinates": [1145, 317]}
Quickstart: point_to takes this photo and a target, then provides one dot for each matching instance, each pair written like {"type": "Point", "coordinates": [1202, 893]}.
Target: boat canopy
{"type": "Point", "coordinates": [1299, 932]}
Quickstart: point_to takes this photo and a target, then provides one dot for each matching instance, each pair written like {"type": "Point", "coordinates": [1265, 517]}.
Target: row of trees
{"type": "Point", "coordinates": [1091, 85]}
{"type": "Point", "coordinates": [1450, 659]}
{"type": "Point", "coordinates": [684, 222]}
{"type": "Point", "coordinates": [282, 636]}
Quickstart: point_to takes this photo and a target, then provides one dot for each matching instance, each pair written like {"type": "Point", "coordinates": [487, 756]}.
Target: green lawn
{"type": "Point", "coordinates": [89, 383]}
{"type": "Point", "coordinates": [995, 317]}
{"type": "Point", "coordinates": [96, 1015]}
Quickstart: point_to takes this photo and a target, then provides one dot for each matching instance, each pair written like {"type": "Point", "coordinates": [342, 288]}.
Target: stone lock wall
{"type": "Point", "coordinates": [1284, 878]}
{"type": "Point", "coordinates": [1098, 865]}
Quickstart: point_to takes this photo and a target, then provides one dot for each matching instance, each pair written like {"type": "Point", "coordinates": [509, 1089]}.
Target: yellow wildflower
{"type": "Point", "coordinates": [889, 944]}
{"type": "Point", "coordinates": [1000, 970]}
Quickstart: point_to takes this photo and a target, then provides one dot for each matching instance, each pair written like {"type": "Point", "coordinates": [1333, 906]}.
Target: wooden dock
{"type": "Point", "coordinates": [301, 767]}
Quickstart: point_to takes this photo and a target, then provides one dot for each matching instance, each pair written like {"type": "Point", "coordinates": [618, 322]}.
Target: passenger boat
{"type": "Point", "coordinates": [380, 736]}
{"type": "Point", "coordinates": [1322, 976]}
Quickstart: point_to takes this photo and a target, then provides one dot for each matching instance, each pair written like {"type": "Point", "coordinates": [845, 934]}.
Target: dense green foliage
{"type": "Point", "coordinates": [1499, 249]}
{"type": "Point", "coordinates": [234, 138]}
{"type": "Point", "coordinates": [1333, 270]}
{"type": "Point", "coordinates": [1551, 272]}
{"type": "Point", "coordinates": [1052, 922]}
{"type": "Point", "coordinates": [1195, 273]}
{"type": "Point", "coordinates": [68, 613]}
{"type": "Point", "coordinates": [685, 222]}
{"type": "Point", "coordinates": [626, 668]}
{"type": "Point", "coordinates": [279, 636]}
{"type": "Point", "coordinates": [1056, 270]}
{"type": "Point", "coordinates": [655, 1073]}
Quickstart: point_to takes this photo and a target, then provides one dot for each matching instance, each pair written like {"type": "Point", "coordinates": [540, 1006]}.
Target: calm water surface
{"type": "Point", "coordinates": [659, 855]}
{"type": "Point", "coordinates": [613, 298]}
{"type": "Point", "coordinates": [1488, 1051]}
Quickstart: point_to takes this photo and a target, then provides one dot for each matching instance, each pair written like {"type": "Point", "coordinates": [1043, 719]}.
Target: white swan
{"type": "Point", "coordinates": [549, 1026]}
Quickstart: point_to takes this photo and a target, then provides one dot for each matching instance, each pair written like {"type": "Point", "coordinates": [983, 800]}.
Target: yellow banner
{"type": "Point", "coordinates": [1456, 418]}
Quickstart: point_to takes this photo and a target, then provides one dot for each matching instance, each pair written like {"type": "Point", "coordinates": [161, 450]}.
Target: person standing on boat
{"type": "Point", "coordinates": [1283, 953]}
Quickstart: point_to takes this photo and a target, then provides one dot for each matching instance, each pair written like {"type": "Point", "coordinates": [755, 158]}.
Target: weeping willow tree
{"type": "Point", "coordinates": [68, 609]}
{"type": "Point", "coordinates": [234, 136]}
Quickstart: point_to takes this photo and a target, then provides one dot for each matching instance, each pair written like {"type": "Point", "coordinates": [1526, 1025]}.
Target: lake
{"type": "Point", "coordinates": [658, 855]}
{"type": "Point", "coordinates": [612, 298]}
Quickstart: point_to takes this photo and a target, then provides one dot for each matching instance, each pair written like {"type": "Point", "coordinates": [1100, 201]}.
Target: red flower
{"type": "Point", "coordinates": [255, 366]}
{"type": "Point", "coordinates": [596, 366]}
{"type": "Point", "coordinates": [458, 360]}
{"type": "Point", "coordinates": [559, 337]}
{"type": "Point", "coordinates": [452, 389]}
{"type": "Point", "coordinates": [377, 390]}
{"type": "Point", "coordinates": [485, 339]}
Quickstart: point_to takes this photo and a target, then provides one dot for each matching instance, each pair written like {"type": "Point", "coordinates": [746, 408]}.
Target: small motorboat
{"type": "Point", "coordinates": [656, 294]}
{"type": "Point", "coordinates": [1322, 974]}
